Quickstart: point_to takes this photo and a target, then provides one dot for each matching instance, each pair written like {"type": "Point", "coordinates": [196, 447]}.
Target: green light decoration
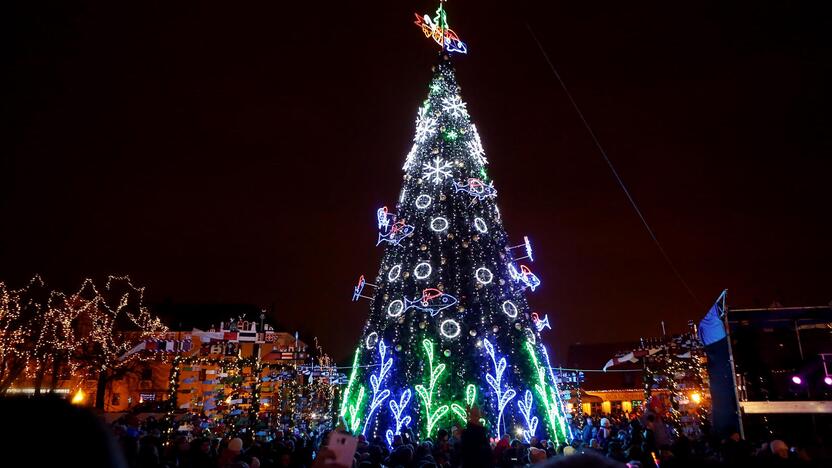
{"type": "Point", "coordinates": [459, 412]}
{"type": "Point", "coordinates": [355, 421]}
{"type": "Point", "coordinates": [426, 394]}
{"type": "Point", "coordinates": [346, 407]}
{"type": "Point", "coordinates": [547, 398]}
{"type": "Point", "coordinates": [470, 395]}
{"type": "Point", "coordinates": [450, 135]}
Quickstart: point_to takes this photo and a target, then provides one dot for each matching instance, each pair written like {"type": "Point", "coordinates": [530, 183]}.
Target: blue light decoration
{"type": "Point", "coordinates": [396, 233]}
{"type": "Point", "coordinates": [384, 218]}
{"type": "Point", "coordinates": [495, 381]}
{"type": "Point", "coordinates": [397, 408]}
{"type": "Point", "coordinates": [432, 301]}
{"type": "Point", "coordinates": [526, 245]}
{"type": "Point", "coordinates": [541, 323]}
{"type": "Point", "coordinates": [525, 276]}
{"type": "Point", "coordinates": [379, 395]}
{"type": "Point", "coordinates": [359, 288]}
{"type": "Point", "coordinates": [476, 188]}
{"type": "Point", "coordinates": [525, 406]}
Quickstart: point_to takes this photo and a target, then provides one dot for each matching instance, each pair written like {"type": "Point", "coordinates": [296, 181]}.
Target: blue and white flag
{"type": "Point", "coordinates": [711, 328]}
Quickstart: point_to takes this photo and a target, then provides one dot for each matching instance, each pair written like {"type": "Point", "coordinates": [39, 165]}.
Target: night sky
{"type": "Point", "coordinates": [225, 153]}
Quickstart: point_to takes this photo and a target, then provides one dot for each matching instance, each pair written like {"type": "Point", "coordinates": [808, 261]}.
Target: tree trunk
{"type": "Point", "coordinates": [56, 369]}
{"type": "Point", "coordinates": [101, 391]}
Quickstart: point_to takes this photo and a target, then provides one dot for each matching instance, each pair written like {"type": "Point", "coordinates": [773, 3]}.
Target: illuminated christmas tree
{"type": "Point", "coordinates": [449, 325]}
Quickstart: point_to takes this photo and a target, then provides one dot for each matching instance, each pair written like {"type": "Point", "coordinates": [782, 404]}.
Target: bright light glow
{"type": "Point", "coordinates": [439, 224]}
{"type": "Point", "coordinates": [422, 270]}
{"type": "Point", "coordinates": [495, 381]}
{"type": "Point", "coordinates": [423, 201]}
{"type": "Point", "coordinates": [376, 380]}
{"type": "Point", "coordinates": [449, 328]}
{"type": "Point", "coordinates": [528, 247]}
{"type": "Point", "coordinates": [437, 171]}
{"type": "Point", "coordinates": [510, 309]}
{"type": "Point", "coordinates": [437, 29]}
{"type": "Point", "coordinates": [384, 218]}
{"type": "Point", "coordinates": [827, 380]}
{"type": "Point", "coordinates": [371, 340]}
{"type": "Point", "coordinates": [455, 106]}
{"type": "Point", "coordinates": [476, 188]}
{"type": "Point", "coordinates": [394, 272]}
{"type": "Point", "coordinates": [397, 408]}
{"type": "Point", "coordinates": [397, 233]}
{"type": "Point", "coordinates": [484, 275]}
{"type": "Point", "coordinates": [480, 225]}
{"type": "Point", "coordinates": [425, 126]}
{"type": "Point", "coordinates": [696, 397]}
{"type": "Point", "coordinates": [359, 288]}
{"type": "Point", "coordinates": [432, 301]}
{"type": "Point", "coordinates": [539, 323]}
{"type": "Point", "coordinates": [410, 157]}
{"type": "Point", "coordinates": [78, 398]}
{"type": "Point", "coordinates": [395, 308]}
{"type": "Point", "coordinates": [797, 380]}
{"type": "Point", "coordinates": [476, 149]}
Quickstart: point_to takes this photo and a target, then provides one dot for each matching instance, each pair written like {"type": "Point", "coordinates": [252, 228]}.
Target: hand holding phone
{"type": "Point", "coordinates": [340, 450]}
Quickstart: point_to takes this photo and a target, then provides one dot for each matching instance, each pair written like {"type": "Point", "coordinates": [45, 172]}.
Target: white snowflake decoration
{"type": "Point", "coordinates": [437, 171]}
{"type": "Point", "coordinates": [455, 106]}
{"type": "Point", "coordinates": [425, 126]}
{"type": "Point", "coordinates": [410, 157]}
{"type": "Point", "coordinates": [476, 149]}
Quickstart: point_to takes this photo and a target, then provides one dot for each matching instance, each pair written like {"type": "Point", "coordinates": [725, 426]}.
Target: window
{"type": "Point", "coordinates": [147, 373]}
{"type": "Point", "coordinates": [616, 407]}
{"type": "Point", "coordinates": [595, 407]}
{"type": "Point", "coordinates": [116, 399]}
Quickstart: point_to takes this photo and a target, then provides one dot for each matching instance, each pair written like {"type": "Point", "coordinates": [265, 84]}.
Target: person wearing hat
{"type": "Point", "coordinates": [230, 454]}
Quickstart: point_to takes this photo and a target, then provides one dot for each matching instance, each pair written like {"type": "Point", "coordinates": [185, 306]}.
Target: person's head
{"type": "Point", "coordinates": [204, 445]}
{"type": "Point", "coordinates": [735, 436]}
{"type": "Point", "coordinates": [235, 444]}
{"type": "Point", "coordinates": [569, 451]}
{"type": "Point", "coordinates": [605, 422]}
{"type": "Point", "coordinates": [779, 448]}
{"type": "Point", "coordinates": [593, 444]}
{"type": "Point", "coordinates": [442, 435]}
{"type": "Point", "coordinates": [536, 455]}
{"type": "Point", "coordinates": [534, 442]}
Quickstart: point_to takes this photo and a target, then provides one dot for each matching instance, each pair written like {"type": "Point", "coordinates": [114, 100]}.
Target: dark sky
{"type": "Point", "coordinates": [236, 154]}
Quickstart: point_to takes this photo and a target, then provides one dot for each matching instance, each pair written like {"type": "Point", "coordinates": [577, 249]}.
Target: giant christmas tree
{"type": "Point", "coordinates": [449, 325]}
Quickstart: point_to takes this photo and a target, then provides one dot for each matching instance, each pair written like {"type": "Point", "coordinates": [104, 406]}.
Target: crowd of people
{"type": "Point", "coordinates": [597, 441]}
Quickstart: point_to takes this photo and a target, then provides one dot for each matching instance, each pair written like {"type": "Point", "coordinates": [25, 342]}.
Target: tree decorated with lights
{"type": "Point", "coordinates": [449, 324]}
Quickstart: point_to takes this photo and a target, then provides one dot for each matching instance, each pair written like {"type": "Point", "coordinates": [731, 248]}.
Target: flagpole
{"type": "Point", "coordinates": [731, 359]}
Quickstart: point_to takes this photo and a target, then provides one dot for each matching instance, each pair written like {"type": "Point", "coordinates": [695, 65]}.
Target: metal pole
{"type": "Point", "coordinates": [731, 360]}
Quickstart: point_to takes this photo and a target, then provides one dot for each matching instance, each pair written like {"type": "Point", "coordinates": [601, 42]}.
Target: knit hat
{"type": "Point", "coordinates": [536, 455]}
{"type": "Point", "coordinates": [235, 444]}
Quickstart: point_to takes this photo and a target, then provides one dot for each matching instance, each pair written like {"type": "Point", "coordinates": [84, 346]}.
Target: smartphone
{"type": "Point", "coordinates": [344, 446]}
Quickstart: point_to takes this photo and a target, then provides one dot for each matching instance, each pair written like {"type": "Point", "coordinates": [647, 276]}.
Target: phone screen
{"type": "Point", "coordinates": [344, 447]}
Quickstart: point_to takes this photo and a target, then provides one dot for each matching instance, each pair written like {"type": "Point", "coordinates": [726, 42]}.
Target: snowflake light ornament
{"type": "Point", "coordinates": [410, 157]}
{"type": "Point", "coordinates": [476, 149]}
{"type": "Point", "coordinates": [455, 106]}
{"type": "Point", "coordinates": [425, 126]}
{"type": "Point", "coordinates": [437, 171]}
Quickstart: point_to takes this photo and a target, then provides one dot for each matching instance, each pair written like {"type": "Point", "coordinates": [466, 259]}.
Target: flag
{"type": "Point", "coordinates": [248, 336]}
{"type": "Point", "coordinates": [632, 356]}
{"type": "Point", "coordinates": [711, 328]}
